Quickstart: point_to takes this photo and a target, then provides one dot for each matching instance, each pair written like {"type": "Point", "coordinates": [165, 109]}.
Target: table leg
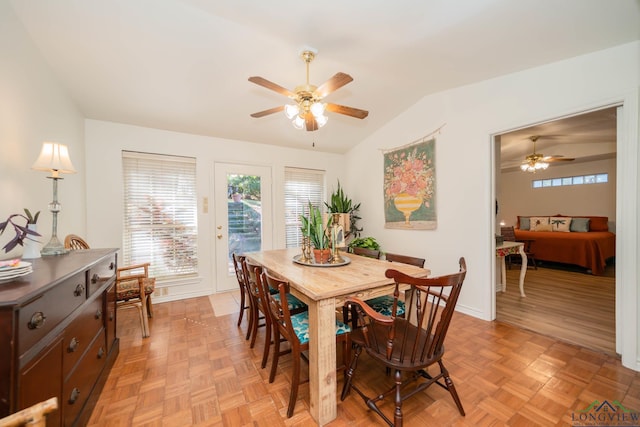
{"type": "Point", "coordinates": [322, 361]}
{"type": "Point", "coordinates": [523, 269]}
{"type": "Point", "coordinates": [503, 274]}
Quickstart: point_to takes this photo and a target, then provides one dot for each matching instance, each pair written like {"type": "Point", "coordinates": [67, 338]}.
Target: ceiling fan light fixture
{"type": "Point", "coordinates": [291, 110]}
{"type": "Point", "coordinates": [534, 166]}
{"type": "Point", "coordinates": [321, 120]}
{"type": "Point", "coordinates": [317, 109]}
{"type": "Point", "coordinates": [298, 122]}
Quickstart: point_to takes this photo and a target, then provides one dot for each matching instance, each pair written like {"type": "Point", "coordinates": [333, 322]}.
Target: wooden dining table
{"type": "Point", "coordinates": [323, 289]}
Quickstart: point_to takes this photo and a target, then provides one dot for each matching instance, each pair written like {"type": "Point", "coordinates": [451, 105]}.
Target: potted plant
{"type": "Point", "coordinates": [316, 230]}
{"type": "Point", "coordinates": [22, 232]}
{"type": "Point", "coordinates": [342, 204]}
{"type": "Point", "coordinates": [365, 242]}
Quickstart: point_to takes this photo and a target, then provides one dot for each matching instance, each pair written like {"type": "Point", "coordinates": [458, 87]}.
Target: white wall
{"type": "Point", "coordinates": [465, 174]}
{"type": "Point", "coordinates": [518, 197]}
{"type": "Point", "coordinates": [34, 108]}
{"type": "Point", "coordinates": [104, 144]}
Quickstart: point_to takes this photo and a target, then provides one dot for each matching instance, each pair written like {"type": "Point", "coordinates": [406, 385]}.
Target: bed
{"type": "Point", "coordinates": [579, 240]}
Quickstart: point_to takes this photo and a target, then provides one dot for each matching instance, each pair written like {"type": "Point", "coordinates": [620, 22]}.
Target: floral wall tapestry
{"type": "Point", "coordinates": [410, 187]}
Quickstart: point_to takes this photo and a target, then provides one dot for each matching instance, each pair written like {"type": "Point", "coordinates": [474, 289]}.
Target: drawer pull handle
{"type": "Point", "coordinates": [100, 353]}
{"type": "Point", "coordinates": [73, 345]}
{"type": "Point", "coordinates": [112, 266]}
{"type": "Point", "coordinates": [37, 320]}
{"type": "Point", "coordinates": [98, 314]}
{"type": "Point", "coordinates": [75, 393]}
{"type": "Point", "coordinates": [111, 315]}
{"type": "Point", "coordinates": [95, 278]}
{"type": "Point", "coordinates": [79, 290]}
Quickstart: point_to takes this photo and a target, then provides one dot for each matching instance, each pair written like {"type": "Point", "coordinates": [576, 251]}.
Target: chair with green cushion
{"type": "Point", "coordinates": [295, 329]}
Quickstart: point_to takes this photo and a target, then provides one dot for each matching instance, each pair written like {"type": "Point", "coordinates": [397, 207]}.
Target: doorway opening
{"type": "Point", "coordinates": [565, 301]}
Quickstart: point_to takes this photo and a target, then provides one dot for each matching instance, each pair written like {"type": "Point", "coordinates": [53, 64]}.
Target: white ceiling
{"type": "Point", "coordinates": [183, 65]}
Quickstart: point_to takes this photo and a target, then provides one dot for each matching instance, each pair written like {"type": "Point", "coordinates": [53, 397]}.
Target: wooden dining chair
{"type": "Point", "coordinates": [407, 347]}
{"type": "Point", "coordinates": [384, 304]}
{"type": "Point", "coordinates": [33, 416]}
{"type": "Point", "coordinates": [371, 253]}
{"type": "Point", "coordinates": [244, 299]}
{"type": "Point", "coordinates": [74, 243]}
{"type": "Point", "coordinates": [133, 285]}
{"type": "Point", "coordinates": [294, 328]}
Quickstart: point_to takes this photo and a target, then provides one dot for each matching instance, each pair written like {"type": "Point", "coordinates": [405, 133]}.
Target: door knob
{"type": "Point", "coordinates": [219, 236]}
{"type": "Point", "coordinates": [219, 227]}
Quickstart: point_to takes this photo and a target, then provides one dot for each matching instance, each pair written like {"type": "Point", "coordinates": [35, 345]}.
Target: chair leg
{"type": "Point", "coordinates": [141, 316]}
{"type": "Point", "coordinates": [295, 382]}
{"type": "Point", "coordinates": [452, 389]}
{"type": "Point", "coordinates": [251, 320]}
{"type": "Point", "coordinates": [149, 306]}
{"type": "Point", "coordinates": [350, 372]}
{"type": "Point", "coordinates": [267, 340]}
{"type": "Point", "coordinates": [276, 354]}
{"type": "Point", "coordinates": [397, 413]}
{"type": "Point", "coordinates": [254, 330]}
{"type": "Point", "coordinates": [145, 319]}
{"type": "Point", "coordinates": [241, 307]}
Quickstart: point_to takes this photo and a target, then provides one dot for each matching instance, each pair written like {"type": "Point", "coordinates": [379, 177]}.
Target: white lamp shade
{"type": "Point", "coordinates": [291, 111]}
{"type": "Point", "coordinates": [321, 120]}
{"type": "Point", "coordinates": [54, 158]}
{"type": "Point", "coordinates": [298, 122]}
{"type": "Point", "coordinates": [317, 109]}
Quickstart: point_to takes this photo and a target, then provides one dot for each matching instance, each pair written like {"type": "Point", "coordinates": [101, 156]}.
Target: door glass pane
{"type": "Point", "coordinates": [244, 213]}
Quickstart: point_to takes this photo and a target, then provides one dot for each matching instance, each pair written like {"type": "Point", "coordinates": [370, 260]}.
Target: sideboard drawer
{"type": "Point", "coordinates": [101, 273]}
{"type": "Point", "coordinates": [78, 387]}
{"type": "Point", "coordinates": [79, 334]}
{"type": "Point", "coordinates": [41, 315]}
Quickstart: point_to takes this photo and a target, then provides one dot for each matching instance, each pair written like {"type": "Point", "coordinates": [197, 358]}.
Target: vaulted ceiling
{"type": "Point", "coordinates": [183, 65]}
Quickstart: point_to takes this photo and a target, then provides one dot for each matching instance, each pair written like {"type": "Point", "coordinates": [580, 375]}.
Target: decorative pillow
{"type": "Point", "coordinates": [598, 223]}
{"type": "Point", "coordinates": [536, 221]}
{"type": "Point", "coordinates": [544, 227]}
{"type": "Point", "coordinates": [525, 223]}
{"type": "Point", "coordinates": [560, 223]}
{"type": "Point", "coordinates": [580, 225]}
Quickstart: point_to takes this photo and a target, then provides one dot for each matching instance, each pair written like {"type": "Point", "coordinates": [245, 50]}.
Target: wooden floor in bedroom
{"type": "Point", "coordinates": [571, 306]}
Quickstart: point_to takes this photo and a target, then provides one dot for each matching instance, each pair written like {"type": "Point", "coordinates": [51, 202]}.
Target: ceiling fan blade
{"type": "Point", "coordinates": [558, 159]}
{"type": "Point", "coordinates": [347, 111]}
{"type": "Point", "coordinates": [270, 85]}
{"type": "Point", "coordinates": [310, 122]}
{"type": "Point", "coordinates": [333, 84]}
{"type": "Point", "coordinates": [267, 112]}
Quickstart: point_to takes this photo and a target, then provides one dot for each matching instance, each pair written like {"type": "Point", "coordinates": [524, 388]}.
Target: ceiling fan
{"type": "Point", "coordinates": [537, 161]}
{"type": "Point", "coordinates": [308, 108]}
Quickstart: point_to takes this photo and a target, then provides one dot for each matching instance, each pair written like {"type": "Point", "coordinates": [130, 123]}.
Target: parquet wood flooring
{"type": "Point", "coordinates": [574, 307]}
{"type": "Point", "coordinates": [197, 369]}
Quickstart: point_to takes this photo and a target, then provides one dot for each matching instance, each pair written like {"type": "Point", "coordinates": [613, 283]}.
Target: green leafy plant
{"type": "Point", "coordinates": [31, 219]}
{"type": "Point", "coordinates": [365, 242]}
{"type": "Point", "coordinates": [22, 232]}
{"type": "Point", "coordinates": [314, 227]}
{"type": "Point", "coordinates": [340, 203]}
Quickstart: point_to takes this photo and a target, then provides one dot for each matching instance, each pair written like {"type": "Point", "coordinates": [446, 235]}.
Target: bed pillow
{"type": "Point", "coordinates": [544, 227]}
{"type": "Point", "coordinates": [537, 222]}
{"type": "Point", "coordinates": [524, 223]}
{"type": "Point", "coordinates": [598, 223]}
{"type": "Point", "coordinates": [560, 223]}
{"type": "Point", "coordinates": [580, 225]}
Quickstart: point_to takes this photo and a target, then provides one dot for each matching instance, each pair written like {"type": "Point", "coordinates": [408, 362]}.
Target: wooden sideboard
{"type": "Point", "coordinates": [58, 334]}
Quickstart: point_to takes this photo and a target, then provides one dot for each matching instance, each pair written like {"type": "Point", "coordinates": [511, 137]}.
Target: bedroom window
{"type": "Point", "coordinates": [160, 213]}
{"type": "Point", "coordinates": [571, 180]}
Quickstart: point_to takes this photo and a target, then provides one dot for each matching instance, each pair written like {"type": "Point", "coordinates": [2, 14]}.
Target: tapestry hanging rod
{"type": "Point", "coordinates": [417, 141]}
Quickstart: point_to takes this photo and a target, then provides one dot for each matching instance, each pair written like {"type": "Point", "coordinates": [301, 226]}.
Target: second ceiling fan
{"type": "Point", "coordinates": [308, 108]}
{"type": "Point", "coordinates": [537, 161]}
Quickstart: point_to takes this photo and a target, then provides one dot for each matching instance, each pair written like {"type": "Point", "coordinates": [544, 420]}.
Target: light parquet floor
{"type": "Point", "coordinates": [197, 369]}
{"type": "Point", "coordinates": [575, 307]}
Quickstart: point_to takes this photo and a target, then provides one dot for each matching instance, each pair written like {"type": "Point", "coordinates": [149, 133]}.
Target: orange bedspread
{"type": "Point", "coordinates": [590, 250]}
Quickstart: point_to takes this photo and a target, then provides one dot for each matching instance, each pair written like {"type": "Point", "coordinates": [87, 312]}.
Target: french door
{"type": "Point", "coordinates": [243, 220]}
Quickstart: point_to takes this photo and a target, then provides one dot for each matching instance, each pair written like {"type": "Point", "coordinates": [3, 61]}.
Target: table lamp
{"type": "Point", "coordinates": [54, 158]}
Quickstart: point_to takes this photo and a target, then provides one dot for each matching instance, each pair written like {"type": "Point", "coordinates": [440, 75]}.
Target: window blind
{"type": "Point", "coordinates": [301, 186]}
{"type": "Point", "coordinates": [160, 213]}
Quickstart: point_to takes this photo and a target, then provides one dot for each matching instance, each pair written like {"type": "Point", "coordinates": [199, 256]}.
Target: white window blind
{"type": "Point", "coordinates": [160, 213]}
{"type": "Point", "coordinates": [301, 186]}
